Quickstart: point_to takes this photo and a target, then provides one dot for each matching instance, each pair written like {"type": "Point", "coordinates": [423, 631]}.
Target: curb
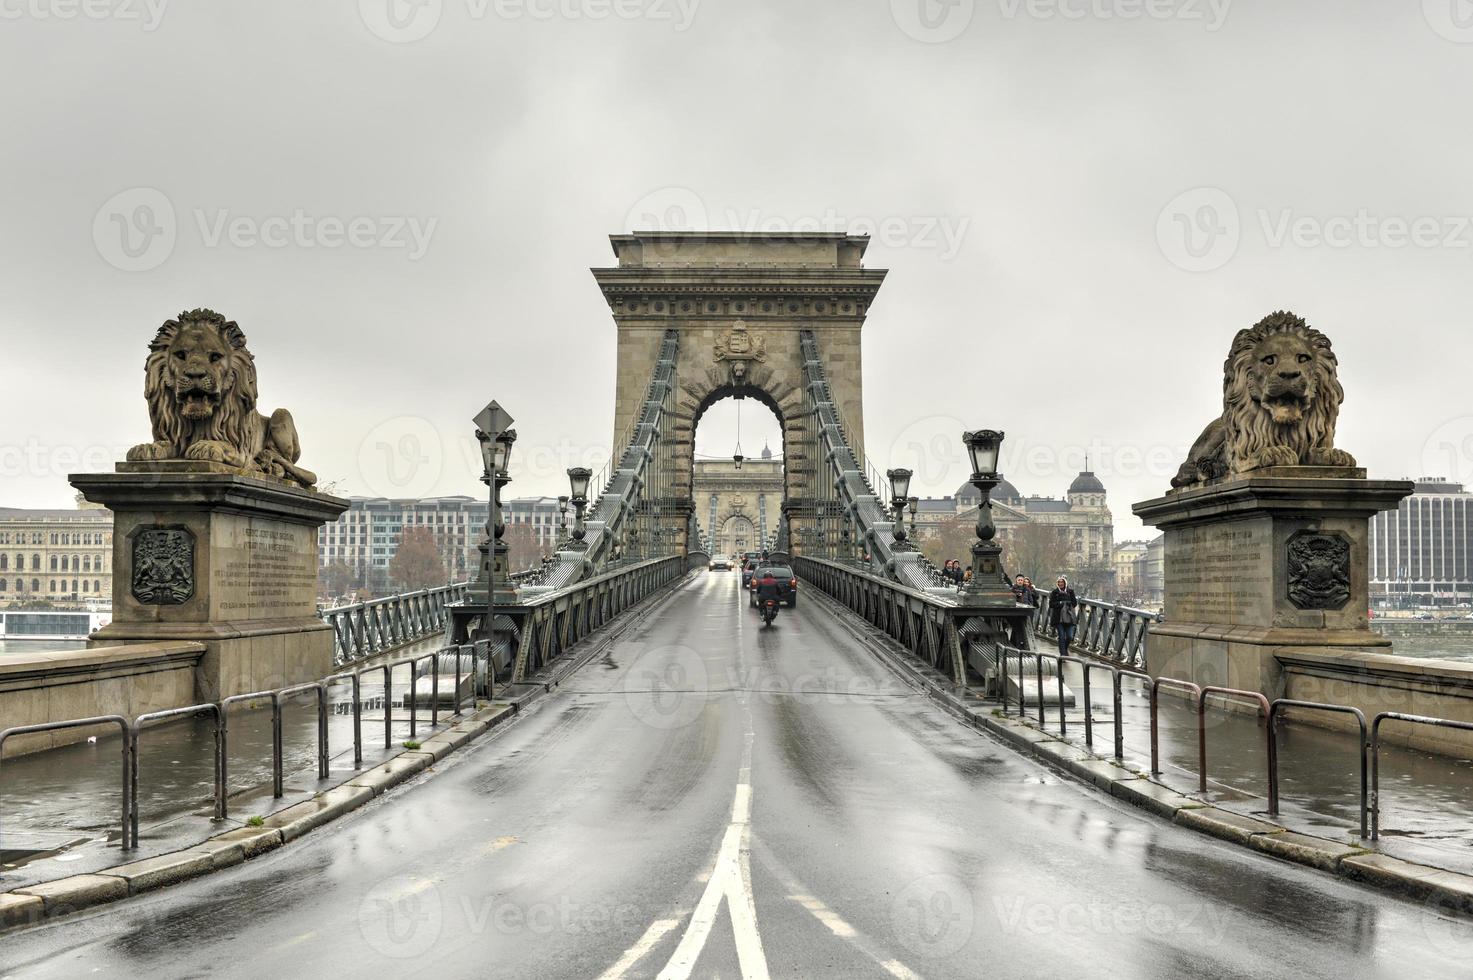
{"type": "Point", "coordinates": [33, 904]}
{"type": "Point", "coordinates": [36, 903]}
{"type": "Point", "coordinates": [1451, 890]}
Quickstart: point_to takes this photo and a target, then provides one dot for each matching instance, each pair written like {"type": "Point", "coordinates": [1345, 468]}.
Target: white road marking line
{"type": "Point", "coordinates": [831, 920]}
{"type": "Point", "coordinates": [640, 949]}
{"type": "Point", "coordinates": [730, 878]}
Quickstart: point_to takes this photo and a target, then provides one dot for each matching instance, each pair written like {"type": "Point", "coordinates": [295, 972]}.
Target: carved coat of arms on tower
{"type": "Point", "coordinates": [739, 347]}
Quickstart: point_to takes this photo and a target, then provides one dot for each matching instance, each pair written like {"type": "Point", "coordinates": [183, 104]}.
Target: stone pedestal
{"type": "Point", "coordinates": [202, 553]}
{"type": "Point", "coordinates": [1262, 562]}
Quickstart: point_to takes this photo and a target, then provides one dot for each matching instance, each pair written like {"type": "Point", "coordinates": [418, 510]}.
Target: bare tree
{"type": "Point", "coordinates": [1038, 551]}
{"type": "Point", "coordinates": [417, 564]}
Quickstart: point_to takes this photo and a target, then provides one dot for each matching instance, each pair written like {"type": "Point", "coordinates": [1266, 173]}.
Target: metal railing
{"type": "Point", "coordinates": [219, 712]}
{"type": "Point", "coordinates": [1120, 634]}
{"type": "Point", "coordinates": [549, 624]}
{"type": "Point", "coordinates": [128, 841]}
{"type": "Point", "coordinates": [1375, 803]}
{"type": "Point", "coordinates": [368, 628]}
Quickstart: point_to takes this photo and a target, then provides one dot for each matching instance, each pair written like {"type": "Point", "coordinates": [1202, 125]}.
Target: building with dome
{"type": "Point", "coordinates": [1082, 515]}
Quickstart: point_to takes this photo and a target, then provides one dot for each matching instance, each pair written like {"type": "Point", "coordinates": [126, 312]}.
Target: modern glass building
{"type": "Point", "coordinates": [1420, 552]}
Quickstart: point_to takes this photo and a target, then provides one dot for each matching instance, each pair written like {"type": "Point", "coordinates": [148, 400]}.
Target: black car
{"type": "Point", "coordinates": [783, 577]}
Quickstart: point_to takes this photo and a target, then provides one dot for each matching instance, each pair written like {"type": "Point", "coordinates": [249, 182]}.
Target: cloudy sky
{"type": "Point", "coordinates": [1079, 201]}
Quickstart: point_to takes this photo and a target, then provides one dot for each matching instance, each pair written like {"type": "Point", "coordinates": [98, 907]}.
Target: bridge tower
{"type": "Point", "coordinates": [739, 302]}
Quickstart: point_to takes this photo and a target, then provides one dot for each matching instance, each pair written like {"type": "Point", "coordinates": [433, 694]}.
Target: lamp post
{"type": "Point", "coordinates": [915, 505]}
{"type": "Point", "coordinates": [899, 495]}
{"type": "Point", "coordinates": [562, 509]}
{"type": "Point", "coordinates": [494, 433]}
{"type": "Point", "coordinates": [984, 447]}
{"type": "Point", "coordinates": [578, 478]}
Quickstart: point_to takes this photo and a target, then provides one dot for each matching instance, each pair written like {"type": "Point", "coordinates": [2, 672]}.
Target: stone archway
{"type": "Point", "coordinates": [740, 303]}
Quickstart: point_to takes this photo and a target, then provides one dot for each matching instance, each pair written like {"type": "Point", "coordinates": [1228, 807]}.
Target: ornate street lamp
{"type": "Point", "coordinates": [987, 583]}
{"type": "Point", "coordinates": [494, 433]}
{"type": "Point", "coordinates": [915, 505]}
{"type": "Point", "coordinates": [562, 509]}
{"type": "Point", "coordinates": [578, 478]}
{"type": "Point", "coordinates": [899, 495]}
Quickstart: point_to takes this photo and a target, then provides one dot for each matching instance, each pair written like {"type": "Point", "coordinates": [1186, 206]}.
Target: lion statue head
{"type": "Point", "coordinates": [200, 386]}
{"type": "Point", "coordinates": [1281, 402]}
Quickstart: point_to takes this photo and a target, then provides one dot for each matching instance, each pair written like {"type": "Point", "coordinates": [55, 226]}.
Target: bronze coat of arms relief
{"type": "Point", "coordinates": [163, 565]}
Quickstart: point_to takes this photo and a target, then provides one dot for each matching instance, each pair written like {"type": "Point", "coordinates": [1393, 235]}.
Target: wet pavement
{"type": "Point", "coordinates": [70, 797]}
{"type": "Point", "coordinates": [1425, 798]}
{"type": "Point", "coordinates": [715, 799]}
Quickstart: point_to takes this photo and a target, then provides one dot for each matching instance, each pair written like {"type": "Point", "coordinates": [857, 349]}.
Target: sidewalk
{"type": "Point", "coordinates": [60, 810]}
{"type": "Point", "coordinates": [1425, 799]}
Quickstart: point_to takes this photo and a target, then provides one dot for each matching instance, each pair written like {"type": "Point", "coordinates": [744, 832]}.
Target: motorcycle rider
{"type": "Point", "coordinates": [767, 588]}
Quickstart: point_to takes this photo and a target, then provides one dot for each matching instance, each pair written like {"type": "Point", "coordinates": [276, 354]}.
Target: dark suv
{"type": "Point", "coordinates": [783, 577]}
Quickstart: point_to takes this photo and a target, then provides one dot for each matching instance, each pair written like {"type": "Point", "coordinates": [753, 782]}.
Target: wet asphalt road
{"type": "Point", "coordinates": [714, 799]}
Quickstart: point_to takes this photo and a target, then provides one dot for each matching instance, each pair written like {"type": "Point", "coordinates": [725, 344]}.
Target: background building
{"type": "Point", "coordinates": [366, 537]}
{"type": "Point", "coordinates": [739, 509]}
{"type": "Point", "coordinates": [62, 557]}
{"type": "Point", "coordinates": [1420, 553]}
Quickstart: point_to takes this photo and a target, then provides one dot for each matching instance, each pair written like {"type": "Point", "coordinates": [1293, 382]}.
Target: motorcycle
{"type": "Point", "coordinates": [769, 611]}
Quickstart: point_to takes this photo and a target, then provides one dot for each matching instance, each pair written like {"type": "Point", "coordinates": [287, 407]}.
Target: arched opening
{"type": "Point", "coordinates": [738, 503]}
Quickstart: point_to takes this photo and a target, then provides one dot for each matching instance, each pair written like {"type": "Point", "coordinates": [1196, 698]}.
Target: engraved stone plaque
{"type": "Point", "coordinates": [163, 566]}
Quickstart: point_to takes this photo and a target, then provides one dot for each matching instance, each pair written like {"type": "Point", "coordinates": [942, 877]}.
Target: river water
{"type": "Point", "coordinates": [40, 646]}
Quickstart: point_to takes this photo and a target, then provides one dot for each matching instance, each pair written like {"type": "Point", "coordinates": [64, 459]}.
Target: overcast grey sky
{"type": "Point", "coordinates": [1079, 201]}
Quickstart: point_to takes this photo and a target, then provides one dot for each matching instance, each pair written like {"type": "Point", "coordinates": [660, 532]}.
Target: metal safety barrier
{"type": "Point", "coordinates": [1273, 772]}
{"type": "Point", "coordinates": [1375, 805]}
{"type": "Point", "coordinates": [129, 840]}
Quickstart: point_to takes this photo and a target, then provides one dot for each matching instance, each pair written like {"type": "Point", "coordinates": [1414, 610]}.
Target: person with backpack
{"type": "Point", "coordinates": [1063, 613]}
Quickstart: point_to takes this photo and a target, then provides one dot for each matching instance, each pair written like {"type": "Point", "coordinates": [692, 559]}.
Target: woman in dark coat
{"type": "Point", "coordinates": [1063, 613]}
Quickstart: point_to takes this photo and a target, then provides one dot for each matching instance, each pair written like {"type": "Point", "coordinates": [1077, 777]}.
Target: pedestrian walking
{"type": "Point", "coordinates": [1063, 613]}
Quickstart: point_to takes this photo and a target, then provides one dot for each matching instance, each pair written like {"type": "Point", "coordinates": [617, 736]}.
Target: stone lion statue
{"type": "Point", "coordinates": [200, 383]}
{"type": "Point", "coordinates": [1281, 400]}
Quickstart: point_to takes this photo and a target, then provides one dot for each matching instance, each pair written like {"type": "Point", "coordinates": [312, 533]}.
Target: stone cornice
{"type": "Point", "coordinates": [754, 294]}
